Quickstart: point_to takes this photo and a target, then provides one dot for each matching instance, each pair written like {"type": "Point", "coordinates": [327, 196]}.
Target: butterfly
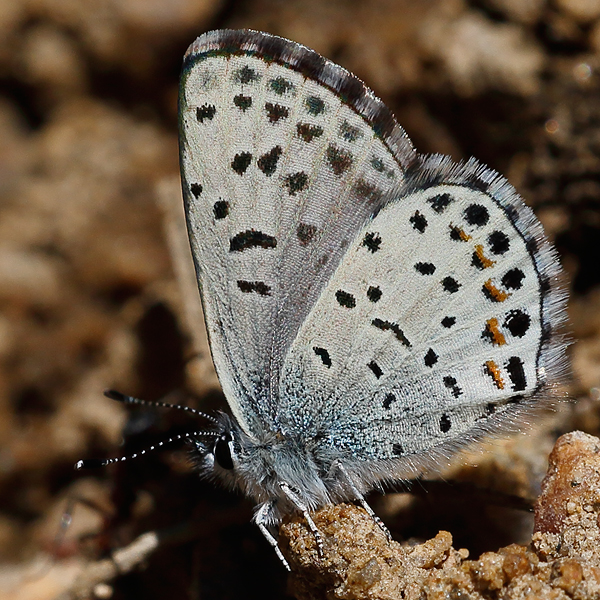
{"type": "Point", "coordinates": [370, 310]}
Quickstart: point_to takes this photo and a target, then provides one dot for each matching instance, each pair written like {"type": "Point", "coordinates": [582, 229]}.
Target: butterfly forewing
{"type": "Point", "coordinates": [284, 157]}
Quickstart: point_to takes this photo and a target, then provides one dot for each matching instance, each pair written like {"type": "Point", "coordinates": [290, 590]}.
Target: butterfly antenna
{"type": "Point", "coordinates": [119, 397]}
{"type": "Point", "coordinates": [95, 463]}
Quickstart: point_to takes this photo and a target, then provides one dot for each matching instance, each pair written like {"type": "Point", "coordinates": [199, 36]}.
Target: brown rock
{"type": "Point", "coordinates": [567, 510]}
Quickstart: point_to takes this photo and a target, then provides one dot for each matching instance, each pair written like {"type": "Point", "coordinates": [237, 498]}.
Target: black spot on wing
{"type": "Point", "coordinates": [458, 235]}
{"type": "Point", "coordinates": [221, 209]}
{"type": "Point", "coordinates": [513, 279]}
{"type": "Point", "coordinates": [516, 373]}
{"type": "Point", "coordinates": [339, 160]}
{"type": "Point", "coordinates": [367, 191]}
{"type": "Point", "coordinates": [246, 75]}
{"type": "Point", "coordinates": [205, 113]}
{"type": "Point", "coordinates": [196, 189]}
{"type": "Point", "coordinates": [276, 112]}
{"type": "Point", "coordinates": [308, 132]}
{"type": "Point", "coordinates": [440, 202]}
{"type": "Point", "coordinates": [394, 327]}
{"type": "Point", "coordinates": [251, 239]}
{"type": "Point", "coordinates": [397, 449]}
{"type": "Point", "coordinates": [375, 368]}
{"type": "Point", "coordinates": [517, 322]}
{"type": "Point", "coordinates": [419, 222]}
{"type": "Point", "coordinates": [241, 162]}
{"type": "Point", "coordinates": [450, 285]}
{"type": "Point", "coordinates": [305, 233]}
{"type": "Point", "coordinates": [242, 102]}
{"type": "Point", "coordinates": [476, 214]}
{"type": "Point", "coordinates": [448, 322]}
{"type": "Point", "coordinates": [388, 401]}
{"type": "Point", "coordinates": [349, 132]}
{"type": "Point", "coordinates": [425, 268]}
{"type": "Point", "coordinates": [451, 383]}
{"type": "Point", "coordinates": [281, 86]}
{"type": "Point", "coordinates": [430, 358]}
{"type": "Point", "coordinates": [323, 355]}
{"type": "Point", "coordinates": [259, 287]}
{"type": "Point", "coordinates": [445, 423]}
{"type": "Point", "coordinates": [345, 299]}
{"type": "Point", "coordinates": [295, 182]}
{"type": "Point", "coordinates": [267, 163]}
{"type": "Point", "coordinates": [374, 293]}
{"type": "Point", "coordinates": [377, 164]}
{"type": "Point", "coordinates": [498, 242]}
{"type": "Point", "coordinates": [477, 262]}
{"type": "Point", "coordinates": [371, 242]}
{"type": "Point", "coordinates": [314, 105]}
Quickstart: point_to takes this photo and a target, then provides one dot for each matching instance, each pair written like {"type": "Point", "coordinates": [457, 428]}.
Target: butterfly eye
{"type": "Point", "coordinates": [223, 451]}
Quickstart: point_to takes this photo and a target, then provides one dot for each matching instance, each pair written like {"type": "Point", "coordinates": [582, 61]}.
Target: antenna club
{"type": "Point", "coordinates": [114, 395]}
{"type": "Point", "coordinates": [90, 463]}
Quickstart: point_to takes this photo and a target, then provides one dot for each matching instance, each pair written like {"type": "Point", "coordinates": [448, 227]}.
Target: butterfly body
{"type": "Point", "coordinates": [259, 466]}
{"type": "Point", "coordinates": [370, 310]}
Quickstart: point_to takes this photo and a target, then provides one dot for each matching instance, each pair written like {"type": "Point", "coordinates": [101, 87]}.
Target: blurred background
{"type": "Point", "coordinates": [96, 292]}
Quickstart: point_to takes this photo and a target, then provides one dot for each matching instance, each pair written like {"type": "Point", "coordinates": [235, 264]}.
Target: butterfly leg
{"type": "Point", "coordinates": [262, 518]}
{"type": "Point", "coordinates": [297, 502]}
{"type": "Point", "coordinates": [360, 498]}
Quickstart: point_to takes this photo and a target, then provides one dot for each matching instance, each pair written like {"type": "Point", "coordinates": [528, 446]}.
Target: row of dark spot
{"type": "Point", "coordinates": [293, 182]}
{"type": "Point", "coordinates": [445, 424]}
{"type": "Point", "coordinates": [274, 112]}
{"type": "Point", "coordinates": [339, 161]}
{"type": "Point", "coordinates": [257, 239]}
{"type": "Point", "coordinates": [514, 367]}
{"type": "Point", "coordinates": [250, 238]}
{"type": "Point", "coordinates": [511, 280]}
{"type": "Point", "coordinates": [516, 321]}
{"type": "Point", "coordinates": [279, 85]}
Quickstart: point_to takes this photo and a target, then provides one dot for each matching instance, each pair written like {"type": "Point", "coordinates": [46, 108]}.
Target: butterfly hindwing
{"type": "Point", "coordinates": [435, 323]}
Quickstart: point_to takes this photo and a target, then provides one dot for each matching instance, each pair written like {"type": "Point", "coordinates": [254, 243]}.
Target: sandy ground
{"type": "Point", "coordinates": [95, 285]}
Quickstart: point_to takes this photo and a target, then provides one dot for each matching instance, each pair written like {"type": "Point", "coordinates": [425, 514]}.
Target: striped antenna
{"type": "Point", "coordinates": [95, 463]}
{"type": "Point", "coordinates": [119, 397]}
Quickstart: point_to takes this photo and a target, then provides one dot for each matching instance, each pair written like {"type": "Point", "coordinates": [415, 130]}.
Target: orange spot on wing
{"type": "Point", "coordinates": [460, 233]}
{"type": "Point", "coordinates": [492, 369]}
{"type": "Point", "coordinates": [495, 335]}
{"type": "Point", "coordinates": [494, 293]}
{"type": "Point", "coordinates": [486, 262]}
